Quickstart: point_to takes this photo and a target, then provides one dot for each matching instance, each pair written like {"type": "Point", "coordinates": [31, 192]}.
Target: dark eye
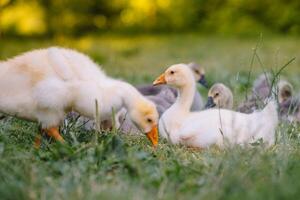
{"type": "Point", "coordinates": [217, 94]}
{"type": "Point", "coordinates": [172, 72]}
{"type": "Point", "coordinates": [197, 72]}
{"type": "Point", "coordinates": [287, 93]}
{"type": "Point", "coordinates": [149, 120]}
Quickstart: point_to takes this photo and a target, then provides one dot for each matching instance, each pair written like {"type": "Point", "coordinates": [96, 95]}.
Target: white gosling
{"type": "Point", "coordinates": [43, 85]}
{"type": "Point", "coordinates": [213, 126]}
{"type": "Point", "coordinates": [163, 90]}
{"type": "Point", "coordinates": [219, 96]}
{"type": "Point", "coordinates": [163, 97]}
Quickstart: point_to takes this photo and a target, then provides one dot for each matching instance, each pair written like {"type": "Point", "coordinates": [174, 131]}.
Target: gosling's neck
{"type": "Point", "coordinates": [185, 97]}
{"type": "Point", "coordinates": [129, 95]}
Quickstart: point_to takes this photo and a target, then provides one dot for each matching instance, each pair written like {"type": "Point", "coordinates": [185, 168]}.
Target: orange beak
{"type": "Point", "coordinates": [153, 136]}
{"type": "Point", "coordinates": [160, 80]}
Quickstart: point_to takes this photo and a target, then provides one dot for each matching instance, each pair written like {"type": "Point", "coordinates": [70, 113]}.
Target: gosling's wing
{"type": "Point", "coordinates": [59, 63]}
{"type": "Point", "coordinates": [198, 103]}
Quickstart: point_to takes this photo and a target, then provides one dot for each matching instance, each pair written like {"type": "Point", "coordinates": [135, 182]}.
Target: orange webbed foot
{"type": "Point", "coordinates": [54, 133]}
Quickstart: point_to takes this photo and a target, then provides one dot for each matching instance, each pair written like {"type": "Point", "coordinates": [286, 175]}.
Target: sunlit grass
{"type": "Point", "coordinates": [126, 166]}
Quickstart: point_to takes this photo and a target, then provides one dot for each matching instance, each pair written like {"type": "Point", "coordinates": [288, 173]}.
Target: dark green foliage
{"type": "Point", "coordinates": [77, 17]}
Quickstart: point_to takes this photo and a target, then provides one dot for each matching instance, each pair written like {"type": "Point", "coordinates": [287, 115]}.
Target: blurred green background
{"type": "Point", "coordinates": [77, 17]}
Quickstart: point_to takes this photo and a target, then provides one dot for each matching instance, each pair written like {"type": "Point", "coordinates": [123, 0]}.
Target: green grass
{"type": "Point", "coordinates": [126, 166]}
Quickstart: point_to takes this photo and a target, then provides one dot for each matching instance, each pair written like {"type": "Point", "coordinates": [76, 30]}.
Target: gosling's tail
{"type": "Point", "coordinates": [269, 117]}
{"type": "Point", "coordinates": [271, 112]}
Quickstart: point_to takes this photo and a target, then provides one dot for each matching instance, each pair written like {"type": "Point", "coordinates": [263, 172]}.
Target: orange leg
{"type": "Point", "coordinates": [38, 141]}
{"type": "Point", "coordinates": [53, 132]}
